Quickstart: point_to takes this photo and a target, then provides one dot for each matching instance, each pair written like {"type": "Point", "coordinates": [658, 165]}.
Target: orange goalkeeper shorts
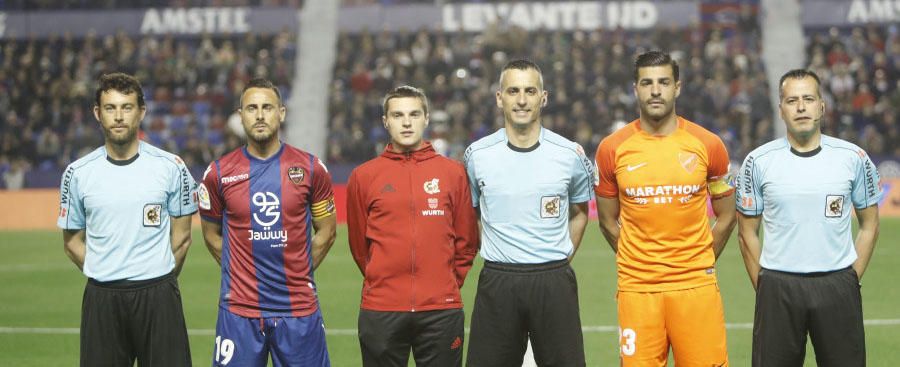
{"type": "Point", "coordinates": [692, 321]}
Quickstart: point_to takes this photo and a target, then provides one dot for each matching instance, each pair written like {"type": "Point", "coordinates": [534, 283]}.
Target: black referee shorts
{"type": "Point", "coordinates": [826, 305]}
{"type": "Point", "coordinates": [126, 320]}
{"type": "Point", "coordinates": [517, 301]}
{"type": "Point", "coordinates": [435, 337]}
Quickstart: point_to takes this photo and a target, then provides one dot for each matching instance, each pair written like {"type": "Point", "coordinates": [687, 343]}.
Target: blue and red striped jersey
{"type": "Point", "coordinates": [266, 208]}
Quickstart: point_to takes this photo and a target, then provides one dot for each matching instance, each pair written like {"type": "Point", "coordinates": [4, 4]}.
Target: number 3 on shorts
{"type": "Point", "coordinates": [224, 350]}
{"type": "Point", "coordinates": [630, 337]}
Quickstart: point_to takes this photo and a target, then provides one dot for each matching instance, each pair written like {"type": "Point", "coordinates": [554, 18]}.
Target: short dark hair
{"type": "Point", "coordinates": [655, 58]}
{"type": "Point", "coordinates": [122, 83]}
{"type": "Point", "coordinates": [798, 74]}
{"type": "Point", "coordinates": [260, 83]}
{"type": "Point", "coordinates": [404, 91]}
{"type": "Point", "coordinates": [522, 64]}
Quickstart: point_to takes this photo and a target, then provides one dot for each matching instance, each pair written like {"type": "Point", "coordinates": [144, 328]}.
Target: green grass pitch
{"type": "Point", "coordinates": [40, 300]}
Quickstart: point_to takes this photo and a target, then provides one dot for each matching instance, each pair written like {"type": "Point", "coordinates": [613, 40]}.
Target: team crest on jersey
{"type": "Point", "coordinates": [296, 174]}
{"type": "Point", "coordinates": [688, 161]}
{"type": "Point", "coordinates": [432, 203]}
{"type": "Point", "coordinates": [152, 215]}
{"type": "Point", "coordinates": [834, 206]}
{"type": "Point", "coordinates": [431, 187]}
{"type": "Point", "coordinates": [550, 206]}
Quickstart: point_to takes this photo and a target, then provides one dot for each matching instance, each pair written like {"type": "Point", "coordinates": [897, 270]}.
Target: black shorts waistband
{"type": "Point", "coordinates": [526, 268]}
{"type": "Point", "coordinates": [808, 275]}
{"type": "Point", "coordinates": [130, 284]}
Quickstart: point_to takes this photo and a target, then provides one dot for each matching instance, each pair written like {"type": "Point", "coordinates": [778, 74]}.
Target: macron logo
{"type": "Point", "coordinates": [634, 167]}
{"type": "Point", "coordinates": [231, 179]}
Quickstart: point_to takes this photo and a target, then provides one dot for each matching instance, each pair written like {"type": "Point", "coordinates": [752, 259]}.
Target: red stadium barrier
{"type": "Point", "coordinates": [29, 209]}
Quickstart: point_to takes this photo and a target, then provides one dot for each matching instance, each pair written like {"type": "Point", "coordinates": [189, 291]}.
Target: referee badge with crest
{"type": "Point", "coordinates": [834, 206]}
{"type": "Point", "coordinates": [152, 215]}
{"type": "Point", "coordinates": [550, 206]}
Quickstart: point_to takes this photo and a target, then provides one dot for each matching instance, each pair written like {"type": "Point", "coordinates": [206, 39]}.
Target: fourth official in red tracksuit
{"type": "Point", "coordinates": [413, 234]}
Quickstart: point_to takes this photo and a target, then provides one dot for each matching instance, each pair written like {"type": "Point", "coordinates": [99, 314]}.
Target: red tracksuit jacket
{"type": "Point", "coordinates": [412, 229]}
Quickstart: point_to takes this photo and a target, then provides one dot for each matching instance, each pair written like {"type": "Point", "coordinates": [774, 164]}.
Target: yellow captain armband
{"type": "Point", "coordinates": [721, 186]}
{"type": "Point", "coordinates": [323, 208]}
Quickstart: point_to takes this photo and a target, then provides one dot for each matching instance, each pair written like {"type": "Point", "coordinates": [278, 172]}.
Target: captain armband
{"type": "Point", "coordinates": [323, 208]}
{"type": "Point", "coordinates": [721, 186]}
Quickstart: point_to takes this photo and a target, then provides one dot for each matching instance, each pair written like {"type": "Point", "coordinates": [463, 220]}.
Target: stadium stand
{"type": "Point", "coordinates": [124, 4]}
{"type": "Point", "coordinates": [588, 75]}
{"type": "Point", "coordinates": [47, 86]}
{"type": "Point", "coordinates": [859, 67]}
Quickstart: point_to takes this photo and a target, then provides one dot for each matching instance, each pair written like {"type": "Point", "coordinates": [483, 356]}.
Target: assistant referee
{"type": "Point", "coordinates": [125, 211]}
{"type": "Point", "coordinates": [802, 189]}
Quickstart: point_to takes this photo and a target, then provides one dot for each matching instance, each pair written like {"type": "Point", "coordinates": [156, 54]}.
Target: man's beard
{"type": "Point", "coordinates": [121, 139]}
{"type": "Point", "coordinates": [261, 137]}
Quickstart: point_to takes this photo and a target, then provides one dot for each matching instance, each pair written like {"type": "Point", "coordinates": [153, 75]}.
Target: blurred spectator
{"type": "Point", "coordinates": [14, 177]}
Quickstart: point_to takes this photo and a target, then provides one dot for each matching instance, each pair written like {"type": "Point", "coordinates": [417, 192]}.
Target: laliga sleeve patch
{"type": "Point", "coordinates": [152, 215]}
{"type": "Point", "coordinates": [203, 197]}
{"type": "Point", "coordinates": [550, 206]}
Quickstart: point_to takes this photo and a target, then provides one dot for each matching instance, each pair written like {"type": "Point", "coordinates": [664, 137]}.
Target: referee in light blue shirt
{"type": "Point", "coordinates": [802, 189]}
{"type": "Point", "coordinates": [532, 189]}
{"type": "Point", "coordinates": [125, 211]}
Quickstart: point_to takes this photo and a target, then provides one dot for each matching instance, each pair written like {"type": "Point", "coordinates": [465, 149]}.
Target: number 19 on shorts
{"type": "Point", "coordinates": [224, 350]}
{"type": "Point", "coordinates": [627, 338]}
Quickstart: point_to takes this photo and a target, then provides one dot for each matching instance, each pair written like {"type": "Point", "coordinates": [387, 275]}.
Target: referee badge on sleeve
{"type": "Point", "coordinates": [550, 206]}
{"type": "Point", "coordinates": [152, 215]}
{"type": "Point", "coordinates": [834, 206]}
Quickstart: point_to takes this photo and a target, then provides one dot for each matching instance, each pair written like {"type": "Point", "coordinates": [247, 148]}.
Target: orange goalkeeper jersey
{"type": "Point", "coordinates": [662, 183]}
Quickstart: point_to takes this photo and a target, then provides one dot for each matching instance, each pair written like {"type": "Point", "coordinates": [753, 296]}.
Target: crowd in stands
{"type": "Point", "coordinates": [191, 88]}
{"type": "Point", "coordinates": [860, 72]}
{"type": "Point", "coordinates": [588, 75]}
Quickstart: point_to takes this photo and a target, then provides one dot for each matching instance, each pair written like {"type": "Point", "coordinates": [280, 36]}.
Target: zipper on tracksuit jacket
{"type": "Point", "coordinates": [412, 208]}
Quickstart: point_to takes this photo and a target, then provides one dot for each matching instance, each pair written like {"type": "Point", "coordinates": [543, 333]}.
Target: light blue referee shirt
{"type": "Point", "coordinates": [805, 202]}
{"type": "Point", "coordinates": [124, 207]}
{"type": "Point", "coordinates": [524, 195]}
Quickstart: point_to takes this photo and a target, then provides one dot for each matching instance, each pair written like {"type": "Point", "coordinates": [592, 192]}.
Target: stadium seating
{"type": "Point", "coordinates": [191, 87]}
{"type": "Point", "coordinates": [860, 71]}
{"type": "Point", "coordinates": [46, 85]}
{"type": "Point", "coordinates": [588, 75]}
